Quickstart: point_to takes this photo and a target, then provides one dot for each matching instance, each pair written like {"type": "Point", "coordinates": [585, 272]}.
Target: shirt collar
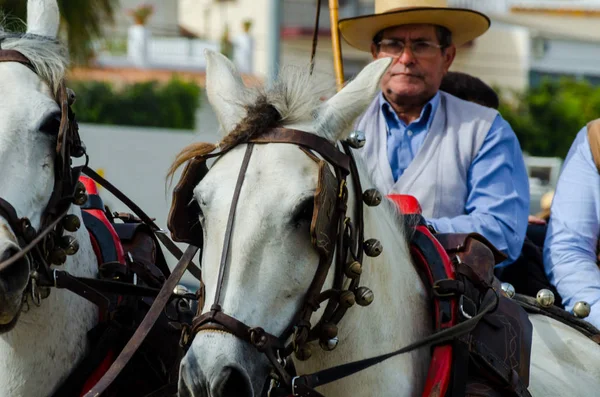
{"type": "Point", "coordinates": [425, 119]}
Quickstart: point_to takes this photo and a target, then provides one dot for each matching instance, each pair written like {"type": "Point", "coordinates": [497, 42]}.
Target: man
{"type": "Point", "coordinates": [570, 249]}
{"type": "Point", "coordinates": [462, 161]}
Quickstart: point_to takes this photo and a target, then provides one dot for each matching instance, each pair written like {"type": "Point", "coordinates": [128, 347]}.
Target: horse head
{"type": "Point", "coordinates": [265, 214]}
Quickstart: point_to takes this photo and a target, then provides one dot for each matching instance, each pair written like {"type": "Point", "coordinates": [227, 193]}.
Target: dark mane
{"type": "Point", "coordinates": [261, 116]}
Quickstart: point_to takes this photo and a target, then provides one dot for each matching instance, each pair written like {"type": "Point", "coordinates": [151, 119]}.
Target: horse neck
{"type": "Point", "coordinates": [49, 340]}
{"type": "Point", "coordinates": [397, 317]}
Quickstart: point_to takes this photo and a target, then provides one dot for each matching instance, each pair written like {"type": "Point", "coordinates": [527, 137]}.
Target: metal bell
{"type": "Point", "coordinates": [329, 344]}
{"type": "Point", "coordinates": [303, 352]}
{"type": "Point", "coordinates": [356, 139]}
{"type": "Point", "coordinates": [180, 290]}
{"type": "Point", "coordinates": [78, 150]}
{"type": "Point", "coordinates": [353, 270]}
{"type": "Point", "coordinates": [581, 309]}
{"type": "Point", "coordinates": [372, 197]}
{"type": "Point", "coordinates": [58, 256]}
{"type": "Point", "coordinates": [545, 298]}
{"type": "Point", "coordinates": [71, 223]}
{"type": "Point", "coordinates": [508, 289]}
{"type": "Point", "coordinates": [364, 296]}
{"type": "Point", "coordinates": [347, 299]}
{"type": "Point", "coordinates": [373, 247]}
{"type": "Point", "coordinates": [69, 244]}
{"type": "Point", "coordinates": [80, 196]}
{"type": "Point", "coordinates": [329, 331]}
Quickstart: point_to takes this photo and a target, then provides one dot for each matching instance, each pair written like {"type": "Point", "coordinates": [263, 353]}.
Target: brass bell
{"type": "Point", "coordinates": [80, 195]}
{"type": "Point", "coordinates": [508, 289]}
{"type": "Point", "coordinates": [58, 256]}
{"type": "Point", "coordinates": [69, 244]}
{"type": "Point", "coordinates": [71, 223]}
{"type": "Point", "coordinates": [78, 151]}
{"type": "Point", "coordinates": [356, 139]}
{"type": "Point", "coordinates": [347, 299]}
{"type": "Point", "coordinates": [545, 298]}
{"type": "Point", "coordinates": [372, 197]}
{"type": "Point", "coordinates": [582, 309]}
{"type": "Point", "coordinates": [364, 296]}
{"type": "Point", "coordinates": [373, 247]}
{"type": "Point", "coordinates": [329, 344]}
{"type": "Point", "coordinates": [329, 330]}
{"type": "Point", "coordinates": [303, 352]}
{"type": "Point", "coordinates": [353, 270]}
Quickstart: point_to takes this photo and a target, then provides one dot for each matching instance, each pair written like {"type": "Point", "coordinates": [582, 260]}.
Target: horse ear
{"type": "Point", "coordinates": [225, 90]}
{"type": "Point", "coordinates": [43, 17]}
{"type": "Point", "coordinates": [339, 113]}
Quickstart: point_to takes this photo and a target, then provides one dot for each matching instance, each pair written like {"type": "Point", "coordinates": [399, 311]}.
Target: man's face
{"type": "Point", "coordinates": [417, 71]}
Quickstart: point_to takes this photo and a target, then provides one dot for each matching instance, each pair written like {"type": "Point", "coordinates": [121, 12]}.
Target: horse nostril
{"type": "Point", "coordinates": [233, 383]}
{"type": "Point", "coordinates": [16, 275]}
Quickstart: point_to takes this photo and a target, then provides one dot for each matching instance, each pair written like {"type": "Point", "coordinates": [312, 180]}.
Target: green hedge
{"type": "Point", "coordinates": [547, 118]}
{"type": "Point", "coordinates": [150, 104]}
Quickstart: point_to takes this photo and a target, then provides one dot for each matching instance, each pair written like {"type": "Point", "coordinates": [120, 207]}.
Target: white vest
{"type": "Point", "coordinates": [437, 176]}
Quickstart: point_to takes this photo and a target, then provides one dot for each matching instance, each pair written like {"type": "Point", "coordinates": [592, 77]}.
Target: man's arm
{"type": "Point", "coordinates": [498, 201]}
{"type": "Point", "coordinates": [572, 236]}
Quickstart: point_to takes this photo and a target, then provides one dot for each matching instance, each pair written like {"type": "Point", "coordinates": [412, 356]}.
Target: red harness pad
{"type": "Point", "coordinates": [107, 247]}
{"type": "Point", "coordinates": [407, 204]}
{"type": "Point", "coordinates": [434, 263]}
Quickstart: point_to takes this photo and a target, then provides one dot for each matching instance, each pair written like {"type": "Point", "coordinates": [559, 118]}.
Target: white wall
{"type": "Point", "coordinates": [567, 56]}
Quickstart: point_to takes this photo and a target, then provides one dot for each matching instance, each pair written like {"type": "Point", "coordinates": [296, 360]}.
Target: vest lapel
{"type": "Point", "coordinates": [424, 155]}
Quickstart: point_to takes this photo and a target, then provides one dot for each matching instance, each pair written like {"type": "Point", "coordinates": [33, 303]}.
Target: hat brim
{"type": "Point", "coordinates": [464, 24]}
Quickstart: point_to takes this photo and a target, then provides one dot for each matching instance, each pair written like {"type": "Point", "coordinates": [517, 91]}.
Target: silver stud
{"type": "Point", "coordinates": [582, 309]}
{"type": "Point", "coordinates": [356, 139]}
{"type": "Point", "coordinates": [545, 298]}
{"type": "Point", "coordinates": [181, 290]}
{"type": "Point", "coordinates": [373, 247]}
{"type": "Point", "coordinates": [329, 344]}
{"type": "Point", "coordinates": [508, 289]}
{"type": "Point", "coordinates": [372, 197]}
{"type": "Point", "coordinates": [364, 296]}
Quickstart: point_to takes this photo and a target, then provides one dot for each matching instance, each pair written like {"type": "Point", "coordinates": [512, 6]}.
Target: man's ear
{"type": "Point", "coordinates": [449, 55]}
{"type": "Point", "coordinates": [374, 51]}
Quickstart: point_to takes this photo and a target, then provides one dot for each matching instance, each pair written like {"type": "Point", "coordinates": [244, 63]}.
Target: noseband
{"type": "Point", "coordinates": [333, 234]}
{"type": "Point", "coordinates": [48, 246]}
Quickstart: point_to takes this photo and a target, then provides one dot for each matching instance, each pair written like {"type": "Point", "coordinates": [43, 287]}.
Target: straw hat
{"type": "Point", "coordinates": [464, 24]}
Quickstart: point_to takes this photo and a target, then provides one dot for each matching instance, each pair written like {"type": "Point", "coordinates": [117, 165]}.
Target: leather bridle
{"type": "Point", "coordinates": [49, 246]}
{"type": "Point", "coordinates": [337, 238]}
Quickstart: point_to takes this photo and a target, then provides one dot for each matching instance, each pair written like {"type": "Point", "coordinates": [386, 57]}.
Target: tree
{"type": "Point", "coordinates": [81, 22]}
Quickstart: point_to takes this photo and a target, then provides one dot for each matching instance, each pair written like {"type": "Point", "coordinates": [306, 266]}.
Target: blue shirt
{"type": "Point", "coordinates": [498, 201]}
{"type": "Point", "coordinates": [570, 246]}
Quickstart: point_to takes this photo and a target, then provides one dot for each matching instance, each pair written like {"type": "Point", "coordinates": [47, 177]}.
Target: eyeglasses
{"type": "Point", "coordinates": [420, 49]}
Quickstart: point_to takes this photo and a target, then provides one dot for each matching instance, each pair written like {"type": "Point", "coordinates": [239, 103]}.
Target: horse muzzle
{"type": "Point", "coordinates": [13, 282]}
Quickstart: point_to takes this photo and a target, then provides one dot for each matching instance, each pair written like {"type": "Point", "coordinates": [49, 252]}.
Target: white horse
{"type": "Point", "coordinates": [45, 342]}
{"type": "Point", "coordinates": [272, 261]}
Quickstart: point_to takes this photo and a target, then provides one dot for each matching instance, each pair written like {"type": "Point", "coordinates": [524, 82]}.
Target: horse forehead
{"type": "Point", "coordinates": [272, 167]}
{"type": "Point", "coordinates": [22, 89]}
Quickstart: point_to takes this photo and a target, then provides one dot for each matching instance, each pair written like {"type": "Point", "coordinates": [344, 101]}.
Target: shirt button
{"type": "Point", "coordinates": [409, 133]}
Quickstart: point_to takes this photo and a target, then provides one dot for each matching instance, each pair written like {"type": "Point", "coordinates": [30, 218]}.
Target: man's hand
{"type": "Point", "coordinates": [534, 220]}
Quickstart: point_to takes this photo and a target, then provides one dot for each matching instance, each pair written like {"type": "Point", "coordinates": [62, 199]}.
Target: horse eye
{"type": "Point", "coordinates": [51, 124]}
{"type": "Point", "coordinates": [304, 212]}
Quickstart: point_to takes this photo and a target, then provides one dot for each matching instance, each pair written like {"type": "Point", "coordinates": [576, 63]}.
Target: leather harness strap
{"type": "Point", "coordinates": [142, 331]}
